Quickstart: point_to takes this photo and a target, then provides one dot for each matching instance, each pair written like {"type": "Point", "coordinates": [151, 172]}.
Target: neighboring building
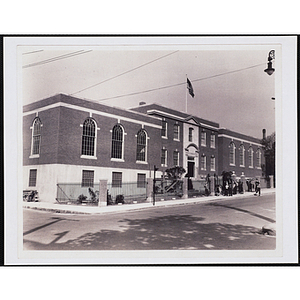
{"type": "Point", "coordinates": [71, 140]}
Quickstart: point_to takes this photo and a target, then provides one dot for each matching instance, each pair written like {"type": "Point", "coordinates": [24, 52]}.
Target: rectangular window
{"type": "Point", "coordinates": [203, 162]}
{"type": "Point", "coordinates": [191, 134]}
{"type": "Point", "coordinates": [141, 180]}
{"type": "Point", "coordinates": [203, 138]}
{"type": "Point", "coordinates": [87, 178]}
{"type": "Point", "coordinates": [176, 158]}
{"type": "Point", "coordinates": [176, 132]}
{"type": "Point", "coordinates": [164, 128]}
{"type": "Point", "coordinates": [164, 157]}
{"type": "Point", "coordinates": [32, 177]}
{"type": "Point", "coordinates": [212, 141]}
{"type": "Point", "coordinates": [116, 179]}
{"type": "Point", "coordinates": [212, 163]}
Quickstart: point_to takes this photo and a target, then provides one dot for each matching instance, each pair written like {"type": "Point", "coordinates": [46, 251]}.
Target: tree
{"type": "Point", "coordinates": [269, 144]}
{"type": "Point", "coordinates": [175, 172]}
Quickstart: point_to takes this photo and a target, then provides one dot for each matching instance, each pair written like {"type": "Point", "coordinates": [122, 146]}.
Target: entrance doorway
{"type": "Point", "coordinates": [191, 167]}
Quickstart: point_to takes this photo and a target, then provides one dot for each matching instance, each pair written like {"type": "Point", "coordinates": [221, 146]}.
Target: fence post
{"type": "Point", "coordinates": [271, 181]}
{"type": "Point", "coordinates": [102, 193]}
{"type": "Point", "coordinates": [149, 190]}
{"type": "Point", "coordinates": [185, 188]}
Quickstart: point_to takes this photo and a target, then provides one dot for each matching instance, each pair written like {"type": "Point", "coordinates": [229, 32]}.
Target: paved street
{"type": "Point", "coordinates": [224, 224]}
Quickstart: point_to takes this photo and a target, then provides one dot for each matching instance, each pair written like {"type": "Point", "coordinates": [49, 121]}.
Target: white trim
{"type": "Point", "coordinates": [34, 156]}
{"type": "Point", "coordinates": [88, 156]}
{"type": "Point", "coordinates": [238, 139]}
{"type": "Point", "coordinates": [117, 159]}
{"type": "Point", "coordinates": [76, 107]}
{"type": "Point", "coordinates": [165, 114]}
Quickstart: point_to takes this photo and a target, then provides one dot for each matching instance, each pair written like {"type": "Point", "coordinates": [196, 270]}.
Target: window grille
{"type": "Point", "coordinates": [164, 128]}
{"type": "Point", "coordinates": [116, 179]}
{"type": "Point", "coordinates": [176, 158]}
{"type": "Point", "coordinates": [117, 142]}
{"type": "Point", "coordinates": [36, 136]}
{"type": "Point", "coordinates": [258, 154]}
{"type": "Point", "coordinates": [212, 141]}
{"type": "Point", "coordinates": [232, 154]}
{"type": "Point", "coordinates": [141, 180]}
{"type": "Point", "coordinates": [212, 163]}
{"type": "Point", "coordinates": [203, 162]}
{"type": "Point", "coordinates": [164, 157]}
{"type": "Point", "coordinates": [88, 137]}
{"type": "Point", "coordinates": [32, 177]}
{"type": "Point", "coordinates": [87, 178]}
{"type": "Point", "coordinates": [141, 145]}
{"type": "Point", "coordinates": [251, 157]}
{"type": "Point", "coordinates": [176, 132]}
{"type": "Point", "coordinates": [203, 138]}
{"type": "Point", "coordinates": [242, 155]}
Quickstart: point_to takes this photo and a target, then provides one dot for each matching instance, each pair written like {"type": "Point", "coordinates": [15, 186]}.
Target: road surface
{"type": "Point", "coordinates": [233, 224]}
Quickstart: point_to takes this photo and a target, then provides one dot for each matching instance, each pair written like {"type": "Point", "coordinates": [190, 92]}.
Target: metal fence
{"type": "Point", "coordinates": [75, 193]}
{"type": "Point", "coordinates": [196, 187]}
{"type": "Point", "coordinates": [127, 192]}
{"type": "Point", "coordinates": [166, 188]}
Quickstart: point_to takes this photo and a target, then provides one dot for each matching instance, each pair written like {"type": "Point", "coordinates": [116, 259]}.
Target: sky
{"type": "Point", "coordinates": [229, 82]}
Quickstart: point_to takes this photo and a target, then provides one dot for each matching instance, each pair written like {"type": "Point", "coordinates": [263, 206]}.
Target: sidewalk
{"type": "Point", "coordinates": [80, 209]}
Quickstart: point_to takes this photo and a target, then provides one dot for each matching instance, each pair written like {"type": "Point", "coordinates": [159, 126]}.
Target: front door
{"type": "Point", "coordinates": [191, 167]}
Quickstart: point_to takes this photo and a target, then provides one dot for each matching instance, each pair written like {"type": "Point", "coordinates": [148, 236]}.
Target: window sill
{"type": "Point", "coordinates": [34, 156]}
{"type": "Point", "coordinates": [117, 159]}
{"type": "Point", "coordinates": [88, 157]}
{"type": "Point", "coordinates": [176, 140]}
{"type": "Point", "coordinates": [164, 137]}
{"type": "Point", "coordinates": [233, 165]}
{"type": "Point", "coordinates": [162, 165]}
{"type": "Point", "coordinates": [250, 167]}
{"type": "Point", "coordinates": [142, 162]}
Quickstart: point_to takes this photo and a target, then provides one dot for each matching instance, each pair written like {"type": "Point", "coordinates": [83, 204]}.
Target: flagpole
{"type": "Point", "coordinates": [186, 94]}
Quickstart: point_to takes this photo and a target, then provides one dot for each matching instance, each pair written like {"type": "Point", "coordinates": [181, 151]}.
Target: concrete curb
{"type": "Point", "coordinates": [72, 209]}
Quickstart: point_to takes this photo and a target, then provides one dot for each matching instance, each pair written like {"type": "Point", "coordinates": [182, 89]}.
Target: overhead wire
{"type": "Point", "coordinates": [56, 58]}
{"type": "Point", "coordinates": [177, 84]}
{"type": "Point", "coordinates": [121, 74]}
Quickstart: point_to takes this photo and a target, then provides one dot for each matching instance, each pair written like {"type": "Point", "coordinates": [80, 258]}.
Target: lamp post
{"type": "Point", "coordinates": [270, 70]}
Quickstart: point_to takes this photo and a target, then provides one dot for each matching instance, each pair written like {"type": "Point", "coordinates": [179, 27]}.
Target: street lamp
{"type": "Point", "coordinates": [270, 70]}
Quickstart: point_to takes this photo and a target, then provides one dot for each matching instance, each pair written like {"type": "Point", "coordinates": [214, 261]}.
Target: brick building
{"type": "Point", "coordinates": [71, 140]}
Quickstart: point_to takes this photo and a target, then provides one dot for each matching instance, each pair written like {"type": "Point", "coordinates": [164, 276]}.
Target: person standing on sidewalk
{"type": "Point", "coordinates": [257, 187]}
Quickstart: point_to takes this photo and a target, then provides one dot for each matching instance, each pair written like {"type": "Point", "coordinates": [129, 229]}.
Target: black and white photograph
{"type": "Point", "coordinates": [151, 150]}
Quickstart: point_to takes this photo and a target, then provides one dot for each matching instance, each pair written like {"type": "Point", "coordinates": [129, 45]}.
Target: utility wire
{"type": "Point", "coordinates": [177, 84]}
{"type": "Point", "coordinates": [32, 52]}
{"type": "Point", "coordinates": [53, 59]}
{"type": "Point", "coordinates": [126, 72]}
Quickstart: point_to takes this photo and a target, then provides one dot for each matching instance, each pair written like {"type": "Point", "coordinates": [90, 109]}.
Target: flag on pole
{"type": "Point", "coordinates": [190, 88]}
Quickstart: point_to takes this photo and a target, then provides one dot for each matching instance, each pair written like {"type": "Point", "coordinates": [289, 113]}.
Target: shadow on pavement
{"type": "Point", "coordinates": [173, 232]}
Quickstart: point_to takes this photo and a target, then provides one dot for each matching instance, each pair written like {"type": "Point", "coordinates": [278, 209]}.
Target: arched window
{"type": "Point", "coordinates": [232, 154]}
{"type": "Point", "coordinates": [117, 142]}
{"type": "Point", "coordinates": [141, 151]}
{"type": "Point", "coordinates": [242, 155]}
{"type": "Point", "coordinates": [88, 137]}
{"type": "Point", "coordinates": [258, 157]}
{"type": "Point", "coordinates": [36, 136]}
{"type": "Point", "coordinates": [250, 157]}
